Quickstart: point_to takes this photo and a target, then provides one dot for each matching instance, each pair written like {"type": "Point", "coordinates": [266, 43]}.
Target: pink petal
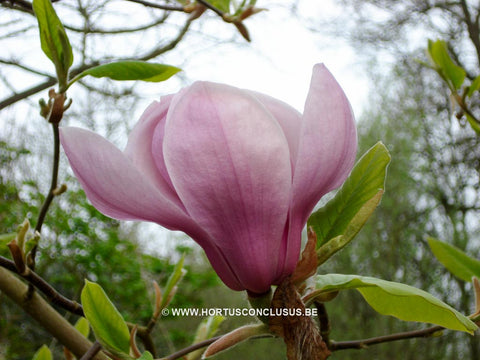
{"type": "Point", "coordinates": [113, 184]}
{"type": "Point", "coordinates": [229, 162]}
{"type": "Point", "coordinates": [289, 119]}
{"type": "Point", "coordinates": [145, 156]}
{"type": "Point", "coordinates": [326, 151]}
{"type": "Point", "coordinates": [119, 190]}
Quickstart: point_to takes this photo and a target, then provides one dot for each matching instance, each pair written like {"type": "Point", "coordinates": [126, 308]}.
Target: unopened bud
{"type": "Point", "coordinates": [57, 106]}
{"type": "Point", "coordinates": [44, 108]}
{"type": "Point", "coordinates": [234, 337]}
{"type": "Point", "coordinates": [249, 11]}
{"type": "Point", "coordinates": [242, 30]}
{"type": "Point", "coordinates": [60, 190]}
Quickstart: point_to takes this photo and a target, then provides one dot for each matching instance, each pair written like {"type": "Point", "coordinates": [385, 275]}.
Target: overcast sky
{"type": "Point", "coordinates": [281, 55]}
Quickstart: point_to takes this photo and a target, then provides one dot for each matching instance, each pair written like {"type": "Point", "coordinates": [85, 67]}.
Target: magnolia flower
{"type": "Point", "coordinates": [236, 170]}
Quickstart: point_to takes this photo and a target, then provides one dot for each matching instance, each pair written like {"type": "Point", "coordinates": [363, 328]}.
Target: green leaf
{"type": "Point", "coordinates": [130, 70]}
{"type": "Point", "coordinates": [83, 326]}
{"type": "Point", "coordinates": [474, 86]}
{"type": "Point", "coordinates": [43, 353]}
{"type": "Point", "coordinates": [206, 330]}
{"type": "Point", "coordinates": [146, 356]}
{"type": "Point", "coordinates": [107, 323]}
{"type": "Point", "coordinates": [334, 245]}
{"type": "Point", "coordinates": [175, 277]}
{"type": "Point", "coordinates": [53, 38]}
{"type": "Point", "coordinates": [473, 123]}
{"type": "Point", "coordinates": [399, 300]}
{"type": "Point", "coordinates": [364, 184]}
{"type": "Point", "coordinates": [455, 260]}
{"type": "Point", "coordinates": [450, 71]}
{"type": "Point", "coordinates": [223, 5]}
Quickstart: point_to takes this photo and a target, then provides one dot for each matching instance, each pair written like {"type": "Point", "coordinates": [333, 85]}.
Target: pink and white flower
{"type": "Point", "coordinates": [238, 171]}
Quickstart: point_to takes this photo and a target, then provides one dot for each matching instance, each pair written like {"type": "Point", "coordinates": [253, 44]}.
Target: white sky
{"type": "Point", "coordinates": [280, 58]}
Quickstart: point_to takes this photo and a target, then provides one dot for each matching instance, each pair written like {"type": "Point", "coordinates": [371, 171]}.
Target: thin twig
{"type": "Point", "coordinates": [54, 181]}
{"type": "Point", "coordinates": [362, 344]}
{"type": "Point", "coordinates": [48, 199]}
{"type": "Point", "coordinates": [52, 81]}
{"type": "Point", "coordinates": [189, 349]}
{"type": "Point", "coordinates": [52, 295]}
{"type": "Point", "coordinates": [158, 6]}
{"type": "Point", "coordinates": [94, 350]}
{"type": "Point", "coordinates": [211, 7]}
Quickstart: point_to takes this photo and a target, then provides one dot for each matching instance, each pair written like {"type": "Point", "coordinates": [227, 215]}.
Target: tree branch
{"type": "Point", "coordinates": [362, 344]}
{"type": "Point", "coordinates": [158, 6]}
{"type": "Point", "coordinates": [52, 295]}
{"type": "Point", "coordinates": [45, 315]}
{"type": "Point", "coordinates": [191, 348]}
{"type": "Point", "coordinates": [52, 81]}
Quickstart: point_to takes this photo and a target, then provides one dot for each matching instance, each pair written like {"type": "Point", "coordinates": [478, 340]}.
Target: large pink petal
{"type": "Point", "coordinates": [289, 119]}
{"type": "Point", "coordinates": [326, 151]}
{"type": "Point", "coordinates": [113, 184]}
{"type": "Point", "coordinates": [230, 164]}
{"type": "Point", "coordinates": [328, 141]}
{"type": "Point", "coordinates": [140, 148]}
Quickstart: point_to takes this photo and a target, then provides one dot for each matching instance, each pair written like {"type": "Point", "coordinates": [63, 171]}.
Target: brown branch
{"type": "Point", "coordinates": [94, 350]}
{"type": "Point", "coordinates": [191, 348]}
{"type": "Point", "coordinates": [211, 7]}
{"type": "Point", "coordinates": [52, 295]}
{"type": "Point", "coordinates": [52, 81]}
{"type": "Point", "coordinates": [23, 67]}
{"type": "Point", "coordinates": [362, 344]}
{"type": "Point", "coordinates": [24, 94]}
{"type": "Point", "coordinates": [158, 6]}
{"type": "Point", "coordinates": [92, 30]}
{"type": "Point", "coordinates": [171, 45]}
{"type": "Point", "coordinates": [45, 315]}
{"type": "Point", "coordinates": [54, 180]}
{"type": "Point", "coordinates": [472, 27]}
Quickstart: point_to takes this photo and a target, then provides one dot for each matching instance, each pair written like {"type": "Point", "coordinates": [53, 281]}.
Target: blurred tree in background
{"type": "Point", "coordinates": [433, 181]}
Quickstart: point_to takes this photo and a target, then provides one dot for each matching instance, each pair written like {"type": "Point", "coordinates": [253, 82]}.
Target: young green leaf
{"type": "Point", "coordinates": [473, 123]}
{"type": "Point", "coordinates": [364, 184]}
{"type": "Point", "coordinates": [83, 326]}
{"type": "Point", "coordinates": [53, 38]}
{"type": "Point", "coordinates": [455, 260]}
{"type": "Point", "coordinates": [175, 277]}
{"type": "Point", "coordinates": [107, 323]}
{"type": "Point", "coordinates": [446, 67]}
{"type": "Point", "coordinates": [130, 70]}
{"type": "Point", "coordinates": [207, 329]}
{"type": "Point", "coordinates": [474, 86]}
{"type": "Point", "coordinates": [399, 300]}
{"type": "Point", "coordinates": [334, 245]}
{"type": "Point", "coordinates": [43, 353]}
{"type": "Point", "coordinates": [146, 356]}
{"type": "Point", "coordinates": [223, 5]}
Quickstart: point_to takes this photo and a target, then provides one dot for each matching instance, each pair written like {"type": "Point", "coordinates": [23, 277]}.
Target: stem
{"type": "Point", "coordinates": [158, 6]}
{"type": "Point", "coordinates": [191, 348]}
{"type": "Point", "coordinates": [52, 295]}
{"type": "Point", "coordinates": [362, 344]}
{"type": "Point", "coordinates": [53, 184]}
{"type": "Point", "coordinates": [94, 350]}
{"type": "Point", "coordinates": [211, 7]}
{"type": "Point", "coordinates": [45, 315]}
{"type": "Point", "coordinates": [324, 322]}
{"type": "Point", "coordinates": [48, 199]}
